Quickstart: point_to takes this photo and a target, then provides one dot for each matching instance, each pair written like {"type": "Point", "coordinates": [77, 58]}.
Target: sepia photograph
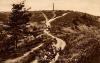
{"type": "Point", "coordinates": [49, 31]}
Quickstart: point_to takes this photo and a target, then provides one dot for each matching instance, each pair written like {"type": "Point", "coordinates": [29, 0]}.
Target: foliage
{"type": "Point", "coordinates": [81, 32]}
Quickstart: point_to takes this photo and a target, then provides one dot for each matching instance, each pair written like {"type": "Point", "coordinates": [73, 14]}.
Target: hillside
{"type": "Point", "coordinates": [80, 31]}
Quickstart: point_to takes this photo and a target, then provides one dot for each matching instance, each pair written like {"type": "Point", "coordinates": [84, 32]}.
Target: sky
{"type": "Point", "coordinates": [88, 6]}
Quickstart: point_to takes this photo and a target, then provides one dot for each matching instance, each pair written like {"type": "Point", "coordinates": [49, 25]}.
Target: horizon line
{"type": "Point", "coordinates": [56, 10]}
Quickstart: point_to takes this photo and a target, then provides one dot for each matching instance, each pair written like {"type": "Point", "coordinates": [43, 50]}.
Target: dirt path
{"type": "Point", "coordinates": [60, 43]}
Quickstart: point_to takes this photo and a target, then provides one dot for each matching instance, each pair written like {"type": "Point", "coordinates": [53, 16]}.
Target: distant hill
{"type": "Point", "coordinates": [77, 18]}
{"type": "Point", "coordinates": [4, 16]}
{"type": "Point", "coordinates": [37, 16]}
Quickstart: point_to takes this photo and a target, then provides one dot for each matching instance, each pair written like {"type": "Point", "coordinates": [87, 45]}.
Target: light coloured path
{"type": "Point", "coordinates": [60, 43]}
{"type": "Point", "coordinates": [24, 57]}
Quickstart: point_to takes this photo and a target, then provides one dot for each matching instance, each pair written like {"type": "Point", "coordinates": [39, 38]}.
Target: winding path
{"type": "Point", "coordinates": [60, 43]}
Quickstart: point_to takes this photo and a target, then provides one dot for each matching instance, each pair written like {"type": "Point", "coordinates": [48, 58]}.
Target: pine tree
{"type": "Point", "coordinates": [19, 18]}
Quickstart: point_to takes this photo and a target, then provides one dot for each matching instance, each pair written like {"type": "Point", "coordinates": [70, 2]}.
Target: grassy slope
{"type": "Point", "coordinates": [83, 45]}
{"type": "Point", "coordinates": [84, 42]}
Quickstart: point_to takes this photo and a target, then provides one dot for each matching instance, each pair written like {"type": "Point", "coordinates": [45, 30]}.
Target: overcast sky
{"type": "Point", "coordinates": [88, 6]}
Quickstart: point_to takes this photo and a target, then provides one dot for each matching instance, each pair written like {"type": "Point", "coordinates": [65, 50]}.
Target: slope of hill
{"type": "Point", "coordinates": [80, 31]}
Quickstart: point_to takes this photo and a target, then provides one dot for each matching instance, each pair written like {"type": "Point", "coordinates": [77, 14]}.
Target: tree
{"type": "Point", "coordinates": [19, 18]}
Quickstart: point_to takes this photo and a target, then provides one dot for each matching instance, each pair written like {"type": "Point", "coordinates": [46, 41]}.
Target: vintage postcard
{"type": "Point", "coordinates": [49, 31]}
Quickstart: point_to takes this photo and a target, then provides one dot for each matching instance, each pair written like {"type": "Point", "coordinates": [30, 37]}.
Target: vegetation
{"type": "Point", "coordinates": [24, 29]}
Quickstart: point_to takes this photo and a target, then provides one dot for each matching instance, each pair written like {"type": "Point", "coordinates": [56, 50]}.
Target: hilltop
{"type": "Point", "coordinates": [80, 31]}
